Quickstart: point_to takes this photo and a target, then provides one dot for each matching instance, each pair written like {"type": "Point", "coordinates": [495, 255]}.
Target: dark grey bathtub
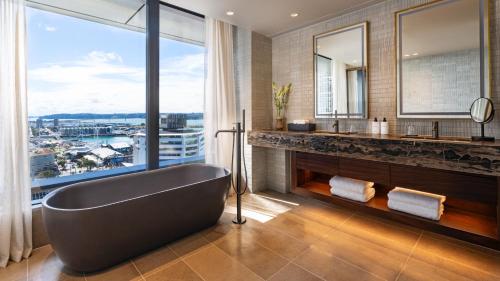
{"type": "Point", "coordinates": [96, 224]}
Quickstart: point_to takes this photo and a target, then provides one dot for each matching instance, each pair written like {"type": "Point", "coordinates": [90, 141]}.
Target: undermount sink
{"type": "Point", "coordinates": [439, 138]}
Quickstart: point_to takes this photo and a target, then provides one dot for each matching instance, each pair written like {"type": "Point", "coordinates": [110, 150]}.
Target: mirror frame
{"type": "Point", "coordinates": [485, 63]}
{"type": "Point", "coordinates": [364, 26]}
{"type": "Point", "coordinates": [492, 111]}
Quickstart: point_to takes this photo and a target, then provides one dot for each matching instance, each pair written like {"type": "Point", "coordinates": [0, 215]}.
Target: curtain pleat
{"type": "Point", "coordinates": [220, 101]}
{"type": "Point", "coordinates": [15, 183]}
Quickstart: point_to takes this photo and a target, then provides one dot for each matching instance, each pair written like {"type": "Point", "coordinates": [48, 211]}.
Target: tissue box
{"type": "Point", "coordinates": [301, 127]}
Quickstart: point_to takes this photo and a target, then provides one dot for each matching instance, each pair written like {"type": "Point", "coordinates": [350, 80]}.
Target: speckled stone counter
{"type": "Point", "coordinates": [460, 155]}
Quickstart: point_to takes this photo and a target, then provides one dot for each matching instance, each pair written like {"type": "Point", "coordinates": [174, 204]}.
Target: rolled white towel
{"type": "Point", "coordinates": [350, 185]}
{"type": "Point", "coordinates": [415, 197]}
{"type": "Point", "coordinates": [429, 213]}
{"type": "Point", "coordinates": [361, 197]}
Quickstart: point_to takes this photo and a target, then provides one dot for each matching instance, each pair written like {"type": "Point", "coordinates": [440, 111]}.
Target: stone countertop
{"type": "Point", "coordinates": [449, 154]}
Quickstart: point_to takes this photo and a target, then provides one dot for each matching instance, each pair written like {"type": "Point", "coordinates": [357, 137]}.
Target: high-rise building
{"type": "Point", "coordinates": [39, 123]}
{"type": "Point", "coordinates": [173, 121]}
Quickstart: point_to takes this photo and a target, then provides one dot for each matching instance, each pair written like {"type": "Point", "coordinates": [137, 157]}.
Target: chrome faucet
{"type": "Point", "coordinates": [435, 129]}
{"type": "Point", "coordinates": [335, 125]}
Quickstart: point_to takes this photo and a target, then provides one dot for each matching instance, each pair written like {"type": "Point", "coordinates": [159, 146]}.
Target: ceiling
{"type": "Point", "coordinates": [129, 14]}
{"type": "Point", "coordinates": [272, 17]}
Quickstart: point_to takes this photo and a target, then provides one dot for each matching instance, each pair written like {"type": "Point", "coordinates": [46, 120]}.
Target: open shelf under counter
{"type": "Point", "coordinates": [310, 179]}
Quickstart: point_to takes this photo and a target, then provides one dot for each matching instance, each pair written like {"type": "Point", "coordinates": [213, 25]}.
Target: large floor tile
{"type": "Point", "coordinates": [326, 265]}
{"type": "Point", "coordinates": [437, 249]}
{"type": "Point", "coordinates": [189, 244]}
{"type": "Point", "coordinates": [44, 265]}
{"type": "Point", "coordinates": [15, 271]}
{"type": "Point", "coordinates": [244, 247]}
{"type": "Point", "coordinates": [155, 260]}
{"type": "Point", "coordinates": [293, 272]}
{"type": "Point", "coordinates": [278, 241]}
{"type": "Point", "coordinates": [122, 272]}
{"type": "Point", "coordinates": [381, 232]}
{"type": "Point", "coordinates": [300, 228]}
{"type": "Point", "coordinates": [176, 272]}
{"type": "Point", "coordinates": [211, 263]}
{"type": "Point", "coordinates": [385, 262]}
{"type": "Point", "coordinates": [418, 270]}
{"type": "Point", "coordinates": [322, 213]}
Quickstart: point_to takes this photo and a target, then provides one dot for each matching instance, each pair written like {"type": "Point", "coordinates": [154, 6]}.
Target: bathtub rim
{"type": "Point", "coordinates": [61, 189]}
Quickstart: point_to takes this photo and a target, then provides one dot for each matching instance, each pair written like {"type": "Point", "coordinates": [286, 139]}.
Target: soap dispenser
{"type": "Point", "coordinates": [384, 127]}
{"type": "Point", "coordinates": [375, 126]}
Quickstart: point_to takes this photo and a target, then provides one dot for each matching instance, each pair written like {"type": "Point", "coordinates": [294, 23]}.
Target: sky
{"type": "Point", "coordinates": [79, 66]}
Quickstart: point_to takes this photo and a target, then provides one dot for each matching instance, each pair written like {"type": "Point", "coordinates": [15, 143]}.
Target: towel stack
{"type": "Point", "coordinates": [357, 190]}
{"type": "Point", "coordinates": [417, 203]}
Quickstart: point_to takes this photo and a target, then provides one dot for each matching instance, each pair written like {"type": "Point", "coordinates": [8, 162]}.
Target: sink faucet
{"type": "Point", "coordinates": [435, 129]}
{"type": "Point", "coordinates": [335, 125]}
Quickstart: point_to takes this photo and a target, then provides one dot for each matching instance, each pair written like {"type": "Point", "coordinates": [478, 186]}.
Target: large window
{"type": "Point", "coordinates": [87, 91]}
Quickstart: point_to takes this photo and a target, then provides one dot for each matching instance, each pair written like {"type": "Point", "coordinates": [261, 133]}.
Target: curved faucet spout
{"type": "Point", "coordinates": [224, 131]}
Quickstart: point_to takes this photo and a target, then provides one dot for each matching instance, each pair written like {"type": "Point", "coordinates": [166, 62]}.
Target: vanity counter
{"type": "Point", "coordinates": [453, 155]}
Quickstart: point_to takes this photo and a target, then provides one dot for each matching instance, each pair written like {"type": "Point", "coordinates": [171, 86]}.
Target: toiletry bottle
{"type": "Point", "coordinates": [384, 127]}
{"type": "Point", "coordinates": [375, 127]}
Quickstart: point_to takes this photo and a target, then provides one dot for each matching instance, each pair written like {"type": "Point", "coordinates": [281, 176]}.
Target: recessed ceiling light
{"type": "Point", "coordinates": [354, 61]}
{"type": "Point", "coordinates": [294, 15]}
{"type": "Point", "coordinates": [415, 54]}
{"type": "Point", "coordinates": [407, 55]}
{"type": "Point", "coordinates": [229, 13]}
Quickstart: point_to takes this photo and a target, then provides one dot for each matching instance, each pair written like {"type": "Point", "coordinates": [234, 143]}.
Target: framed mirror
{"type": "Point", "coordinates": [341, 72]}
{"type": "Point", "coordinates": [442, 58]}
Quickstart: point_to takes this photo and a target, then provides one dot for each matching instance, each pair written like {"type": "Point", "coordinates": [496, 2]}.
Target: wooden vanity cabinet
{"type": "Point", "coordinates": [472, 208]}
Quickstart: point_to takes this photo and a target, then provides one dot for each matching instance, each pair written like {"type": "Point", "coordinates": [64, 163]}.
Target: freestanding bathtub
{"type": "Point", "coordinates": [99, 223]}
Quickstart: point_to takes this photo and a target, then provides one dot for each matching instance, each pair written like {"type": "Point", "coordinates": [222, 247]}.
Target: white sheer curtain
{"type": "Point", "coordinates": [220, 101]}
{"type": "Point", "coordinates": [15, 194]}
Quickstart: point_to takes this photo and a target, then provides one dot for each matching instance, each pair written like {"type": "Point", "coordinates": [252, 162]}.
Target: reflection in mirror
{"type": "Point", "coordinates": [442, 58]}
{"type": "Point", "coordinates": [481, 110]}
{"type": "Point", "coordinates": [340, 70]}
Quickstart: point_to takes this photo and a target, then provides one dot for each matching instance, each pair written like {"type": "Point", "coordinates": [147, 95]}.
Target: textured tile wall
{"type": "Point", "coordinates": [292, 61]}
{"type": "Point", "coordinates": [252, 53]}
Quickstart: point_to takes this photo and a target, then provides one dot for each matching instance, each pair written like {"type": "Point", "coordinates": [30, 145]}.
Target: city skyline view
{"type": "Point", "coordinates": [87, 100]}
{"type": "Point", "coordinates": [102, 70]}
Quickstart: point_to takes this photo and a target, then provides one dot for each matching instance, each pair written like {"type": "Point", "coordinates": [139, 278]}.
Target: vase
{"type": "Point", "coordinates": [280, 124]}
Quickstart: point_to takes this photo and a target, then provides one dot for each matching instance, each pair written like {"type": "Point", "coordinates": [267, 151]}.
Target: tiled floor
{"type": "Point", "coordinates": [290, 238]}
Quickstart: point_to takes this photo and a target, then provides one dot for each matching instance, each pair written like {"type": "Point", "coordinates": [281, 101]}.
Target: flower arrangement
{"type": "Point", "coordinates": [280, 97]}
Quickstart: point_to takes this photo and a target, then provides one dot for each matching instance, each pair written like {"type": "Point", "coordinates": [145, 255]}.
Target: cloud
{"type": "Point", "coordinates": [50, 28]}
{"type": "Point", "coordinates": [101, 82]}
{"type": "Point", "coordinates": [102, 57]}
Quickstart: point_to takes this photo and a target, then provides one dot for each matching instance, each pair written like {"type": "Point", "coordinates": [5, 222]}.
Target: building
{"type": "Point", "coordinates": [43, 161]}
{"type": "Point", "coordinates": [39, 123]}
{"type": "Point", "coordinates": [173, 121]}
{"type": "Point", "coordinates": [173, 145]}
{"type": "Point", "coordinates": [121, 147]}
{"type": "Point", "coordinates": [106, 156]}
{"type": "Point", "coordinates": [86, 131]}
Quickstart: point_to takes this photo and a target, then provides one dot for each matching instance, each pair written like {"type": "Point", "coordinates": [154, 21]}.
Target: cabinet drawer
{"type": "Point", "coordinates": [317, 163]}
{"type": "Point", "coordinates": [365, 170]}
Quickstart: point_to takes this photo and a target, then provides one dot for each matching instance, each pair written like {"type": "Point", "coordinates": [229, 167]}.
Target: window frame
{"type": "Point", "coordinates": [152, 84]}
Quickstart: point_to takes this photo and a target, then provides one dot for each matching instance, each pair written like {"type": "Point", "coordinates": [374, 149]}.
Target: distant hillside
{"type": "Point", "coordinates": [110, 116]}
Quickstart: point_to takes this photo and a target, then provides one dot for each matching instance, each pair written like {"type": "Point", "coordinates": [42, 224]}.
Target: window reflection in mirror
{"type": "Point", "coordinates": [340, 68]}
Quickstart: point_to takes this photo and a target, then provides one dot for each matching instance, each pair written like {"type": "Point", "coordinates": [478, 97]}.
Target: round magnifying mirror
{"type": "Point", "coordinates": [482, 111]}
